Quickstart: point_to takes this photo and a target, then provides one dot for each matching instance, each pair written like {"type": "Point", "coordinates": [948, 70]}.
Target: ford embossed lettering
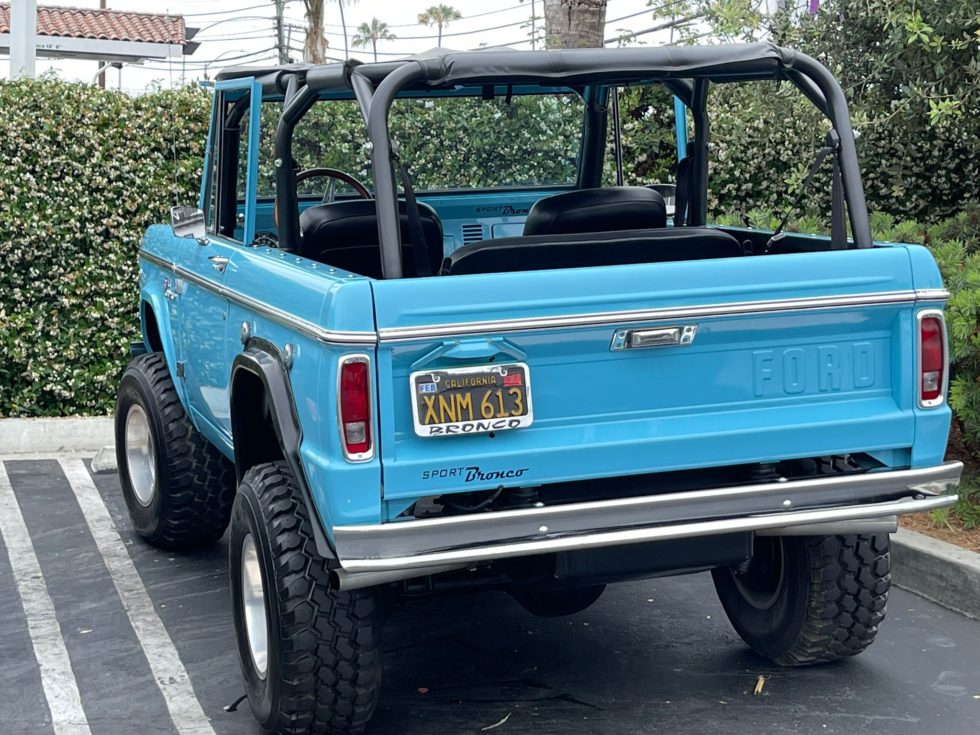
{"type": "Point", "coordinates": [472, 400]}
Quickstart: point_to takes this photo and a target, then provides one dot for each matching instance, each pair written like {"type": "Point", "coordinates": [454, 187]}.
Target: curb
{"type": "Point", "coordinates": [939, 571]}
{"type": "Point", "coordinates": [48, 435]}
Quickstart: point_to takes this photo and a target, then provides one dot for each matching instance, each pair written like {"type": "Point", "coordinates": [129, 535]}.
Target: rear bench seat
{"type": "Point", "coordinates": [624, 247]}
{"type": "Point", "coordinates": [616, 225]}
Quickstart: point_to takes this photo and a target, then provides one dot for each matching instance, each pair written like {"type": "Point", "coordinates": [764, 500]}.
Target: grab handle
{"type": "Point", "coordinates": [633, 339]}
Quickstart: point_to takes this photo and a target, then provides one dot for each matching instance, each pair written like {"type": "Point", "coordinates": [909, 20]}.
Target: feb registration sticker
{"type": "Point", "coordinates": [471, 400]}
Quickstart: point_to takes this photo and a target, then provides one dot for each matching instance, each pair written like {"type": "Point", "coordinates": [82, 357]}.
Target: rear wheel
{"type": "Point", "coordinates": [552, 602]}
{"type": "Point", "coordinates": [177, 486]}
{"type": "Point", "coordinates": [310, 655]}
{"type": "Point", "coordinates": [808, 599]}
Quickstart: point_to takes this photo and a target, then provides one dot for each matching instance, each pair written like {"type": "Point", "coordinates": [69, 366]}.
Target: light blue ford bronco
{"type": "Point", "coordinates": [479, 361]}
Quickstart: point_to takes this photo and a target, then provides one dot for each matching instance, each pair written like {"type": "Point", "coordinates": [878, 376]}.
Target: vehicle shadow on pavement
{"type": "Point", "coordinates": [653, 655]}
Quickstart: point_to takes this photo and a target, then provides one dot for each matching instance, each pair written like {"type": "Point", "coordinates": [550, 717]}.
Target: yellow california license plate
{"type": "Point", "coordinates": [471, 400]}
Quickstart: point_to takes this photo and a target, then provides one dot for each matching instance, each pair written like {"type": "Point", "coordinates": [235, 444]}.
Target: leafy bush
{"type": "Point", "coordinates": [910, 72]}
{"type": "Point", "coordinates": [83, 172]}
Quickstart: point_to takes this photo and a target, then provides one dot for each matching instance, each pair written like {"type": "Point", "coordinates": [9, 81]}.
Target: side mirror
{"type": "Point", "coordinates": [189, 222]}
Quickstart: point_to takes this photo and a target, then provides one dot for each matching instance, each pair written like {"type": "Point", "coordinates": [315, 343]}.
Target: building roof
{"type": "Point", "coordinates": [108, 25]}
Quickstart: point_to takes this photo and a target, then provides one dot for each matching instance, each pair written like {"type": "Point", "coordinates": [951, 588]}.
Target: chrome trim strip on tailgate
{"type": "Point", "coordinates": [618, 318]}
{"type": "Point", "coordinates": [525, 532]}
{"type": "Point", "coordinates": [302, 326]}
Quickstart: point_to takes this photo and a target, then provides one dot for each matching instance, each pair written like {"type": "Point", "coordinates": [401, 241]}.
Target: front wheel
{"type": "Point", "coordinates": [178, 487]}
{"type": "Point", "coordinates": [808, 599]}
{"type": "Point", "coordinates": [310, 655]}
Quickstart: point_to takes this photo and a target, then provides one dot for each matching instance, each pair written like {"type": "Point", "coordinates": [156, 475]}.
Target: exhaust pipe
{"type": "Point", "coordinates": [346, 581]}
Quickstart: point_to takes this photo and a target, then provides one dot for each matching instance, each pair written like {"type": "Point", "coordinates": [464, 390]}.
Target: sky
{"type": "Point", "coordinates": [236, 32]}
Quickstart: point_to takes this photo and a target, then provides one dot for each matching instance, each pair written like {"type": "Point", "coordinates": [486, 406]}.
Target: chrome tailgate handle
{"type": "Point", "coordinates": [627, 339]}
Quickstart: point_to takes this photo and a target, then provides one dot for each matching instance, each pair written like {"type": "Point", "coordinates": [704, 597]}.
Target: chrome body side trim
{"type": "Point", "coordinates": [529, 531]}
{"type": "Point", "coordinates": [619, 318]}
{"type": "Point", "coordinates": [302, 326]}
{"type": "Point", "coordinates": [932, 294]}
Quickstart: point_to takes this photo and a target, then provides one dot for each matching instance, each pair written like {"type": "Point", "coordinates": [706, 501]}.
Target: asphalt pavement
{"type": "Point", "coordinates": [101, 633]}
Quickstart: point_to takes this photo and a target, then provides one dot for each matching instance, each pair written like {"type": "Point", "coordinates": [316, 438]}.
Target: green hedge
{"type": "Point", "coordinates": [83, 172]}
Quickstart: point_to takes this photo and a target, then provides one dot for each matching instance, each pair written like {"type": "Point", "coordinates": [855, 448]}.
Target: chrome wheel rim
{"type": "Point", "coordinates": [140, 463]}
{"type": "Point", "coordinates": [253, 607]}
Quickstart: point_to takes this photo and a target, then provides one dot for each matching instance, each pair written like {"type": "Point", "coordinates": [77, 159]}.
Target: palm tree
{"type": "Point", "coordinates": [315, 48]}
{"type": "Point", "coordinates": [439, 16]}
{"type": "Point", "coordinates": [372, 33]}
{"type": "Point", "coordinates": [578, 24]}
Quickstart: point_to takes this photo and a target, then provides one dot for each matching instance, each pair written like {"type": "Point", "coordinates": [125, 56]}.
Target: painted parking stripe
{"type": "Point", "coordinates": [57, 678]}
{"type": "Point", "coordinates": [168, 670]}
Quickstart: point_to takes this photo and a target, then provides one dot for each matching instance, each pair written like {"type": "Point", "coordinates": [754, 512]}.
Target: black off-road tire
{"type": "Point", "coordinates": [323, 670]}
{"type": "Point", "coordinates": [554, 602]}
{"type": "Point", "coordinates": [827, 605]}
{"type": "Point", "coordinates": [195, 484]}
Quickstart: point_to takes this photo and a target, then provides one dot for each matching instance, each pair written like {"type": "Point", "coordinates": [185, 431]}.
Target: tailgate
{"type": "Point", "coordinates": [777, 357]}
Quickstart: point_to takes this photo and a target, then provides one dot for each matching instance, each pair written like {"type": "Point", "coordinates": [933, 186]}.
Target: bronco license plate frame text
{"type": "Point", "coordinates": [471, 400]}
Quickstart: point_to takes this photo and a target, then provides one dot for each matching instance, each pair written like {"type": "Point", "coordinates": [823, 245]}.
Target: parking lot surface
{"type": "Point", "coordinates": [100, 633]}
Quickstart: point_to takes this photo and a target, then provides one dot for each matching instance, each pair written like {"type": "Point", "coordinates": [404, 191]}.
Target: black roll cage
{"type": "Point", "coordinates": [686, 71]}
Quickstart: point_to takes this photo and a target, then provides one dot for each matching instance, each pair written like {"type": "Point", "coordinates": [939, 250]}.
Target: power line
{"type": "Point", "coordinates": [208, 62]}
{"type": "Point", "coordinates": [448, 35]}
{"type": "Point", "coordinates": [302, 24]}
{"type": "Point", "coordinates": [261, 33]}
{"type": "Point", "coordinates": [264, 6]}
{"type": "Point", "coordinates": [461, 20]}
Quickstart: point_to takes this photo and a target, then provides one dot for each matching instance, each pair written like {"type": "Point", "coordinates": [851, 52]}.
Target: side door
{"type": "Point", "coordinates": [228, 200]}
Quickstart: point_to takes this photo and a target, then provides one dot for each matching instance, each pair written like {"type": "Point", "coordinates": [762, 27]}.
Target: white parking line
{"type": "Point", "coordinates": [57, 677]}
{"type": "Point", "coordinates": [168, 670]}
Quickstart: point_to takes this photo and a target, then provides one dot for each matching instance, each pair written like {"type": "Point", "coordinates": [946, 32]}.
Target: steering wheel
{"type": "Point", "coordinates": [334, 175]}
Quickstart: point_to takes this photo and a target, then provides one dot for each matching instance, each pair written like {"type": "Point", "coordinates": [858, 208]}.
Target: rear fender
{"type": "Point", "coordinates": [260, 368]}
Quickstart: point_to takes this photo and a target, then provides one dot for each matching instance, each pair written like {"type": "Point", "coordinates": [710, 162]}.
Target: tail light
{"type": "Point", "coordinates": [354, 402]}
{"type": "Point", "coordinates": [932, 358]}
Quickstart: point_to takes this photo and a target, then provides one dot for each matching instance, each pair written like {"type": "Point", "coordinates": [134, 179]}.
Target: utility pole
{"type": "Point", "coordinates": [23, 38]}
{"type": "Point", "coordinates": [281, 32]}
{"type": "Point", "coordinates": [102, 6]}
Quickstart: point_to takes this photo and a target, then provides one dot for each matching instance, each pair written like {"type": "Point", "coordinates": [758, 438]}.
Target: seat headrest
{"type": "Point", "coordinates": [597, 210]}
{"type": "Point", "coordinates": [353, 226]}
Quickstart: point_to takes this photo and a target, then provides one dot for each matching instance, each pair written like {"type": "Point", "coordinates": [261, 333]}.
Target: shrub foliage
{"type": "Point", "coordinates": [83, 172]}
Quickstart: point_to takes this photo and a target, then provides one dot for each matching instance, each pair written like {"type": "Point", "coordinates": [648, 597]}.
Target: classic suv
{"type": "Point", "coordinates": [464, 360]}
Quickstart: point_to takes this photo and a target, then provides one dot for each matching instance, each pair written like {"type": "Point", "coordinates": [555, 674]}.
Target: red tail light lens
{"type": "Point", "coordinates": [355, 407]}
{"type": "Point", "coordinates": [932, 360]}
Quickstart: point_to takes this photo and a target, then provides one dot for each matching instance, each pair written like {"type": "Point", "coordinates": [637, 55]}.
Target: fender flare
{"type": "Point", "coordinates": [152, 303]}
{"type": "Point", "coordinates": [161, 315]}
{"type": "Point", "coordinates": [263, 360]}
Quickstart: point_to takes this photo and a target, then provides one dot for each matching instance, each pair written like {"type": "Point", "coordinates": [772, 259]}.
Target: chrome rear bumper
{"type": "Point", "coordinates": [769, 507]}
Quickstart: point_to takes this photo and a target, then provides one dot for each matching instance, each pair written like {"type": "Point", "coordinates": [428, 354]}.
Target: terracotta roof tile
{"type": "Point", "coordinates": [111, 25]}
